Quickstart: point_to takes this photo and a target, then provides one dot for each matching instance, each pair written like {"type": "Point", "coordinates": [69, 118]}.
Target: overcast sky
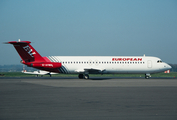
{"type": "Point", "coordinates": [90, 28]}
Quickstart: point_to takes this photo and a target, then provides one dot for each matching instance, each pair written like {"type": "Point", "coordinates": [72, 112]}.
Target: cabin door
{"type": "Point", "coordinates": [149, 64]}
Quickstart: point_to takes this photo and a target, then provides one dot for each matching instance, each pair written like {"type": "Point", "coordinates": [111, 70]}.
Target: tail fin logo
{"type": "Point", "coordinates": [29, 50]}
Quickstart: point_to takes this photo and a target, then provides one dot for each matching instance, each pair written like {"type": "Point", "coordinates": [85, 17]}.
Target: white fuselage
{"type": "Point", "coordinates": [110, 64]}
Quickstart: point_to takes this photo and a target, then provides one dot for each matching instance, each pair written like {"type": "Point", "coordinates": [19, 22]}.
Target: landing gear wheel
{"type": "Point", "coordinates": [86, 76]}
{"type": "Point", "coordinates": [81, 76]}
{"type": "Point", "coordinates": [147, 76]}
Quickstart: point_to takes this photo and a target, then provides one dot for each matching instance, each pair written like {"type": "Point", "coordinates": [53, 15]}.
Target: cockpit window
{"type": "Point", "coordinates": [159, 61]}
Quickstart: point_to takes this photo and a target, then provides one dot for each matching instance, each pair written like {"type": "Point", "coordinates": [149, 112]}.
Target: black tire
{"type": "Point", "coordinates": [147, 77]}
{"type": "Point", "coordinates": [80, 76]}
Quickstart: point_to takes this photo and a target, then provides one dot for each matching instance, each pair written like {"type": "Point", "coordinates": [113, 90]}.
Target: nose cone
{"type": "Point", "coordinates": [168, 67]}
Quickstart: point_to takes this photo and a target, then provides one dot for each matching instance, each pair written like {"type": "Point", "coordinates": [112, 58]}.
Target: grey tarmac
{"type": "Point", "coordinates": [95, 99]}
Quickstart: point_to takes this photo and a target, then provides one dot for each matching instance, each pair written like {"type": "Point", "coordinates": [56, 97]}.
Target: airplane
{"type": "Point", "coordinates": [38, 72]}
{"type": "Point", "coordinates": [85, 65]}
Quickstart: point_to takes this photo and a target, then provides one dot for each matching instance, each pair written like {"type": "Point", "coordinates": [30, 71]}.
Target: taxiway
{"type": "Point", "coordinates": [75, 99]}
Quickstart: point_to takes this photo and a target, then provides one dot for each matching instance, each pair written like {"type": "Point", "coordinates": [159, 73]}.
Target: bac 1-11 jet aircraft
{"type": "Point", "coordinates": [85, 65]}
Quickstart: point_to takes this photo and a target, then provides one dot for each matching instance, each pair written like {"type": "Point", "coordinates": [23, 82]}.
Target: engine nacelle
{"type": "Point", "coordinates": [46, 65]}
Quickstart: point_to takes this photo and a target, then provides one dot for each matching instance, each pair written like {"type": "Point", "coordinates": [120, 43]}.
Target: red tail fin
{"type": "Point", "coordinates": [27, 52]}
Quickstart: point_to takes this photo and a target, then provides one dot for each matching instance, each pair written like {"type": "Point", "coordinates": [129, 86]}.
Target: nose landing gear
{"type": "Point", "coordinates": [147, 76]}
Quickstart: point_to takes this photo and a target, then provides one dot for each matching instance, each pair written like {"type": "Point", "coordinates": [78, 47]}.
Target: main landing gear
{"type": "Point", "coordinates": [83, 76]}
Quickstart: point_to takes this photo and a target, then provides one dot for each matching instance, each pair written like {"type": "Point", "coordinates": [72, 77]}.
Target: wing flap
{"type": "Point", "coordinates": [90, 70]}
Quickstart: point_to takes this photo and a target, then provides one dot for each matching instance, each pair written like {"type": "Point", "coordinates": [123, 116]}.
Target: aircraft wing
{"type": "Point", "coordinates": [90, 70]}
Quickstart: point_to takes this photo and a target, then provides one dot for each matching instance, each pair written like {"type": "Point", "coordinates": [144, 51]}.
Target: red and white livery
{"type": "Point", "coordinates": [85, 65]}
